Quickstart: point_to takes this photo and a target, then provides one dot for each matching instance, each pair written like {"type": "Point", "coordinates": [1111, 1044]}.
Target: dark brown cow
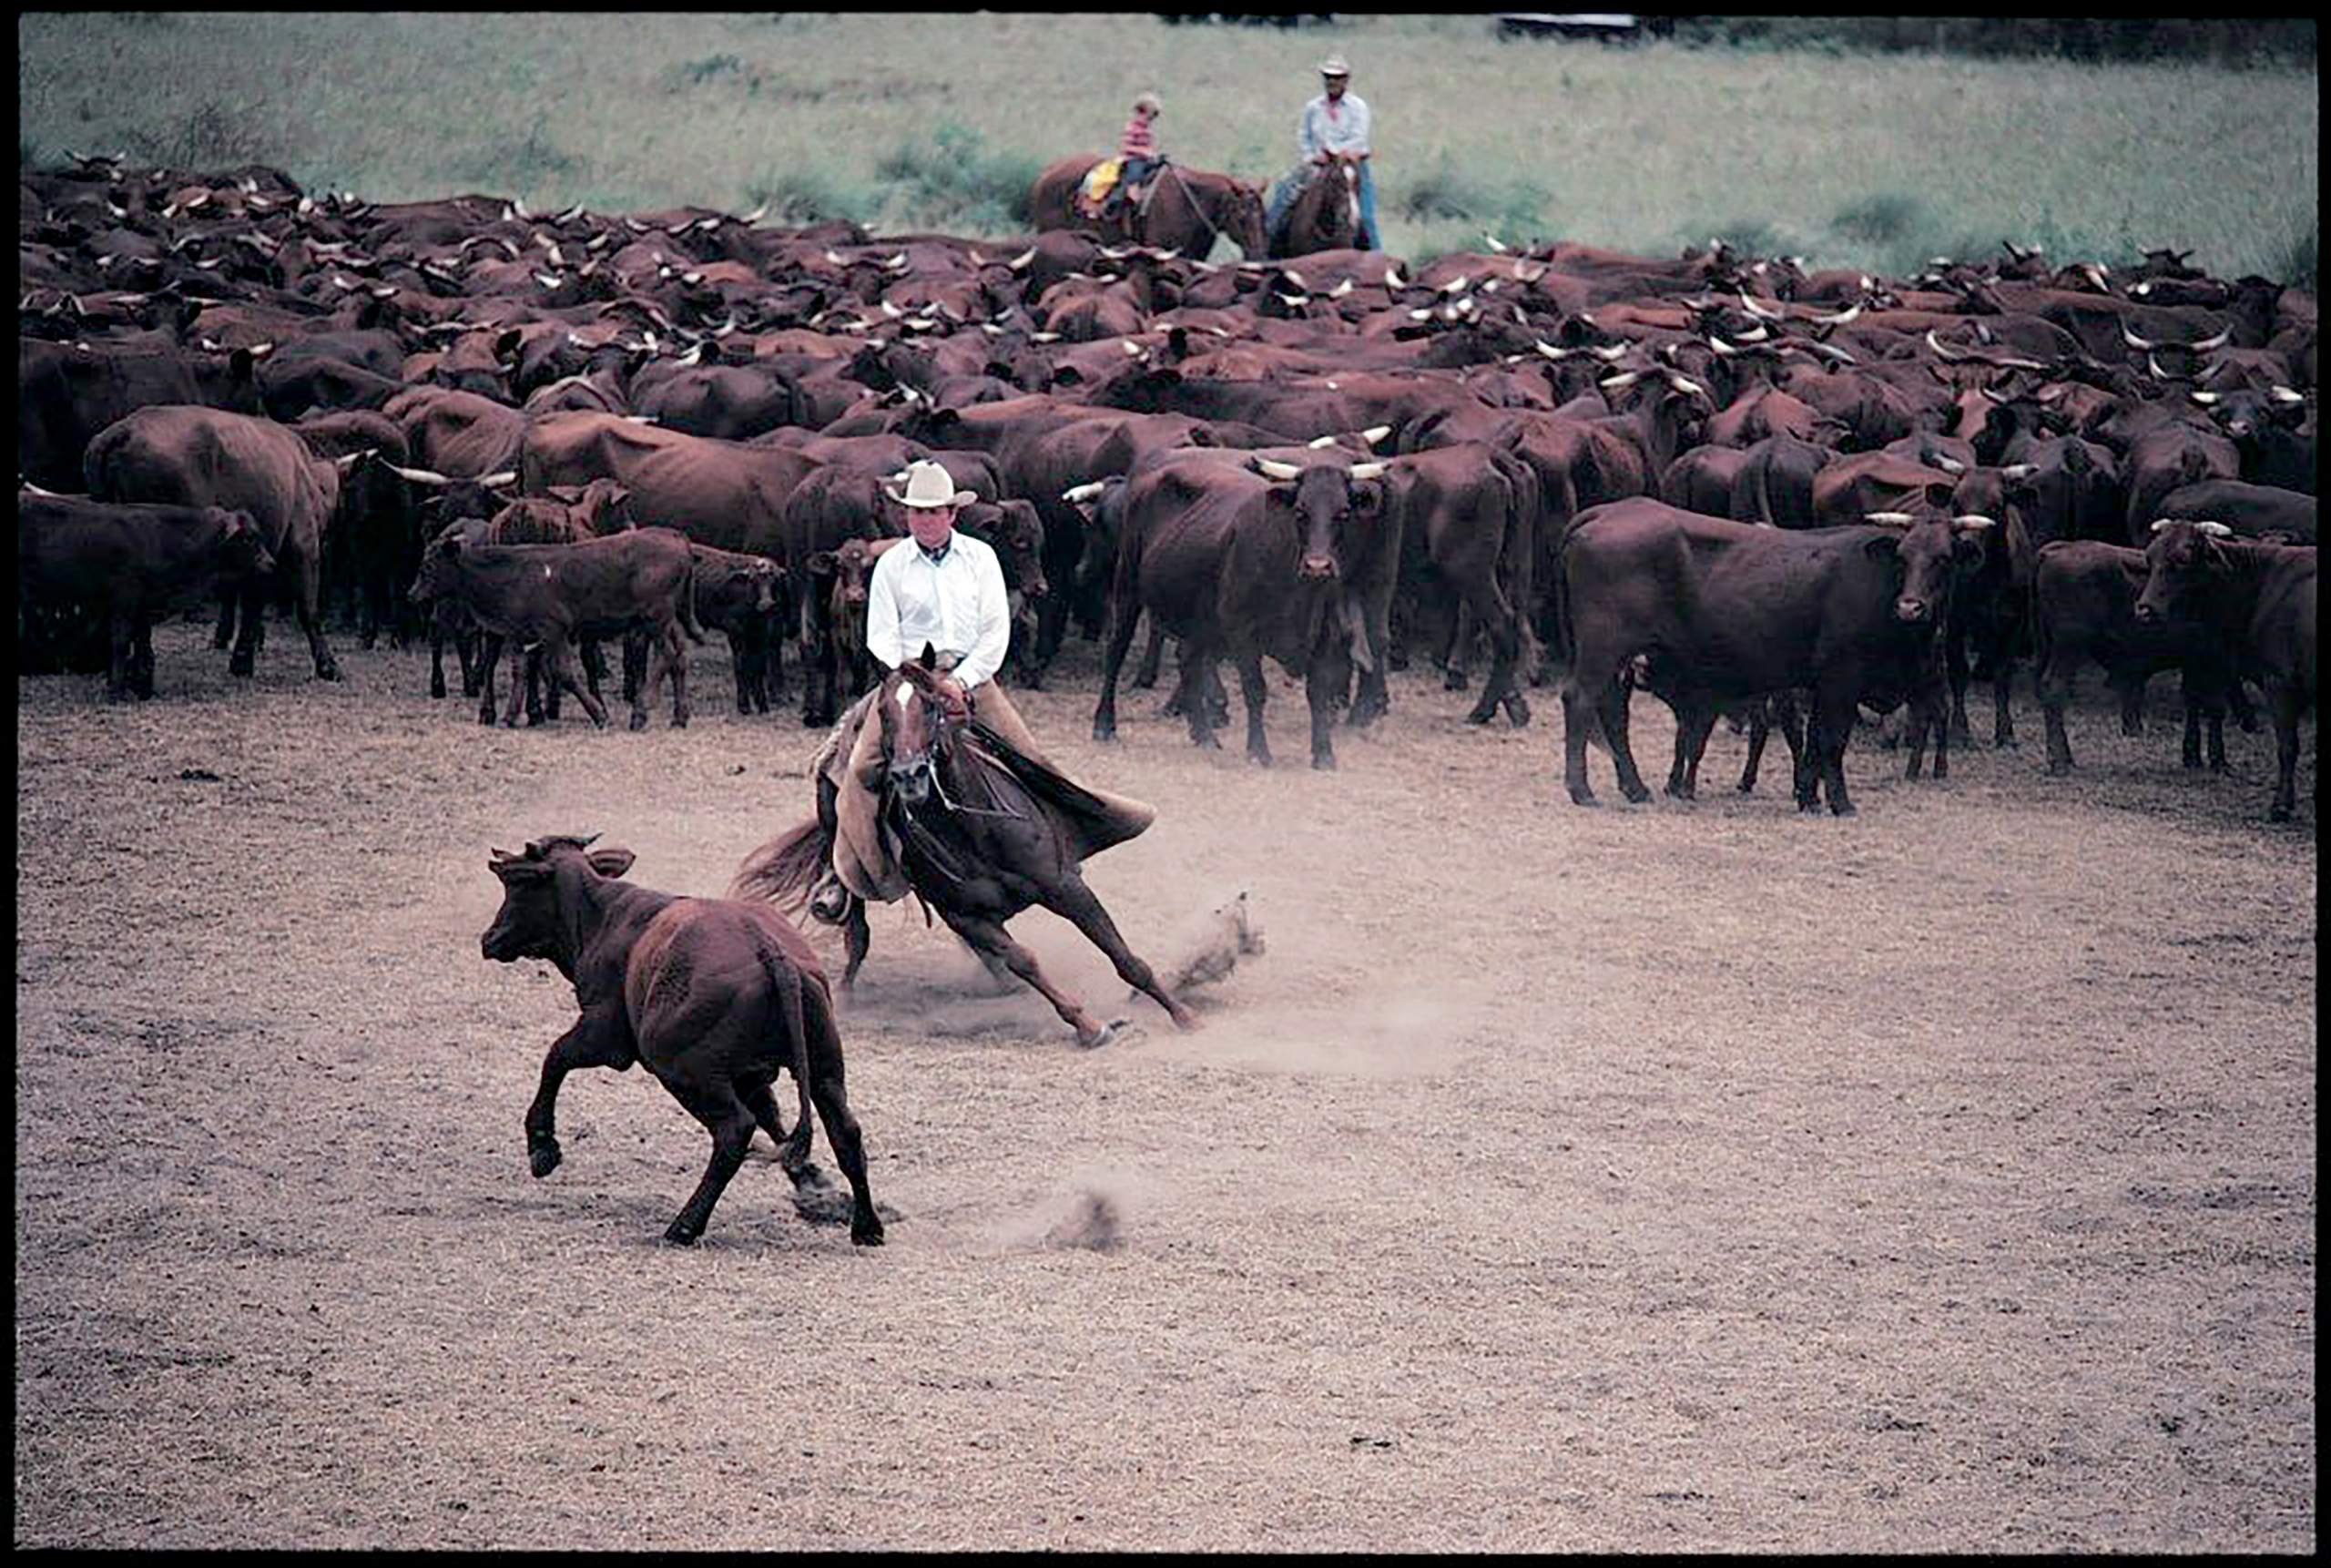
{"type": "Point", "coordinates": [556, 595]}
{"type": "Point", "coordinates": [2083, 607]}
{"type": "Point", "coordinates": [1283, 561]}
{"type": "Point", "coordinates": [1737, 611]}
{"type": "Point", "coordinates": [129, 565]}
{"type": "Point", "coordinates": [2260, 600]}
{"type": "Point", "coordinates": [836, 589]}
{"type": "Point", "coordinates": [719, 493]}
{"type": "Point", "coordinates": [67, 392]}
{"type": "Point", "coordinates": [716, 996]}
{"type": "Point", "coordinates": [737, 596]}
{"type": "Point", "coordinates": [1467, 521]}
{"type": "Point", "coordinates": [1851, 487]}
{"type": "Point", "coordinates": [189, 456]}
{"type": "Point", "coordinates": [2253, 511]}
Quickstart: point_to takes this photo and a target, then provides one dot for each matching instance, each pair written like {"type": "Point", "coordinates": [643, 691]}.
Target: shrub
{"type": "Point", "coordinates": [1879, 219]}
{"type": "Point", "coordinates": [208, 135]}
{"type": "Point", "coordinates": [955, 179]}
{"type": "Point", "coordinates": [802, 196]}
{"type": "Point", "coordinates": [696, 73]}
{"type": "Point", "coordinates": [2298, 261]}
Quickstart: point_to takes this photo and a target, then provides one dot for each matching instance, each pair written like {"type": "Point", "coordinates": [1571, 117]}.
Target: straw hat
{"type": "Point", "coordinates": [928, 484]}
{"type": "Point", "coordinates": [1333, 65]}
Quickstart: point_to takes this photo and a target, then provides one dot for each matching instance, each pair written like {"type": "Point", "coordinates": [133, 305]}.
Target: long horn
{"type": "Point", "coordinates": [496, 481]}
{"type": "Point", "coordinates": [2224, 334]}
{"type": "Point", "coordinates": [1375, 433]}
{"type": "Point", "coordinates": [2214, 529]}
{"type": "Point", "coordinates": [2286, 394]}
{"type": "Point", "coordinates": [1081, 493]}
{"type": "Point", "coordinates": [1973, 520]}
{"type": "Point", "coordinates": [2161, 523]}
{"type": "Point", "coordinates": [1368, 469]}
{"type": "Point", "coordinates": [1317, 442]}
{"type": "Point", "coordinates": [1889, 519]}
{"type": "Point", "coordinates": [2133, 341]}
{"type": "Point", "coordinates": [1271, 468]}
{"type": "Point", "coordinates": [418, 476]}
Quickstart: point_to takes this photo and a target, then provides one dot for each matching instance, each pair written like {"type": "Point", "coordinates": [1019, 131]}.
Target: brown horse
{"type": "Point", "coordinates": [1185, 210]}
{"type": "Point", "coordinates": [1325, 214]}
{"type": "Point", "coordinates": [983, 831]}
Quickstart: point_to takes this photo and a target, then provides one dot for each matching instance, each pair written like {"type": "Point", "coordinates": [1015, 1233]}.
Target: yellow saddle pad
{"type": "Point", "coordinates": [1101, 178]}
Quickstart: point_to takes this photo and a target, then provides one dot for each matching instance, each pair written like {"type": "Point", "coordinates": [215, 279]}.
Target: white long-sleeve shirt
{"type": "Point", "coordinates": [1345, 130]}
{"type": "Point", "coordinates": [958, 605]}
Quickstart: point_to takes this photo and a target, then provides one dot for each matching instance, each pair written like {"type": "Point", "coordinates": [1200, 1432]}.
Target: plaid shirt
{"type": "Point", "coordinates": [1338, 126]}
{"type": "Point", "coordinates": [1139, 140]}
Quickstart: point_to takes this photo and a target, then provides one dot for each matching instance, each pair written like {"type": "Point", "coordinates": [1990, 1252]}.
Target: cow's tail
{"type": "Point", "coordinates": [786, 870]}
{"type": "Point", "coordinates": [787, 981]}
{"type": "Point", "coordinates": [689, 623]}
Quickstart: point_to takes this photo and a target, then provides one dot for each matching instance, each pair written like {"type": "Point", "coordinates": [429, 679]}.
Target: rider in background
{"type": "Point", "coordinates": [1335, 122]}
{"type": "Point", "coordinates": [1136, 153]}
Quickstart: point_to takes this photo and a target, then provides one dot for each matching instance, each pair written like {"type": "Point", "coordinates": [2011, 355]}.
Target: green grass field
{"type": "Point", "coordinates": [905, 121]}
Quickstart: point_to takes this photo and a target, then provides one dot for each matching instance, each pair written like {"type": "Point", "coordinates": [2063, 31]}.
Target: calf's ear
{"type": "Point", "coordinates": [611, 861]}
{"type": "Point", "coordinates": [821, 565]}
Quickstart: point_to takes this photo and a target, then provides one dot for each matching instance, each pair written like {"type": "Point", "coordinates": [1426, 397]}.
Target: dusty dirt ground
{"type": "Point", "coordinates": [1679, 1177]}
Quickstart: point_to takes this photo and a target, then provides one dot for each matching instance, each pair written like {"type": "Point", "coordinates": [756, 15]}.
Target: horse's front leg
{"type": "Point", "coordinates": [990, 938]}
{"type": "Point", "coordinates": [1076, 903]}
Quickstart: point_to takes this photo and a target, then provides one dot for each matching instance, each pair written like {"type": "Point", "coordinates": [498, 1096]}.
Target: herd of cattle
{"type": "Point", "coordinates": [1740, 485]}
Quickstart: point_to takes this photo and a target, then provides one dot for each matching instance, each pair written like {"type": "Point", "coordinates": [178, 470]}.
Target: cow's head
{"type": "Point", "coordinates": [1017, 533]}
{"type": "Point", "coordinates": [1927, 549]}
{"type": "Point", "coordinates": [2181, 556]}
{"type": "Point", "coordinates": [1335, 508]}
{"type": "Point", "coordinates": [531, 921]}
{"type": "Point", "coordinates": [242, 547]}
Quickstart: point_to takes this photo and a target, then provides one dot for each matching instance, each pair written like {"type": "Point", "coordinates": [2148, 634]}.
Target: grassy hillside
{"type": "Point", "coordinates": [909, 120]}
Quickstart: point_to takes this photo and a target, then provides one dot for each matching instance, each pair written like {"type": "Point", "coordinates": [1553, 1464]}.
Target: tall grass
{"type": "Point", "coordinates": [1847, 159]}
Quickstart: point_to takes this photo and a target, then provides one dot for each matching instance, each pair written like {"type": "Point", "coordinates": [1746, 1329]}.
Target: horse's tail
{"type": "Point", "coordinates": [784, 869]}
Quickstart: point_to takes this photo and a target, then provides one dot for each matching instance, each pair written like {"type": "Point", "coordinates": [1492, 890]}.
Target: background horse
{"type": "Point", "coordinates": [1325, 213]}
{"type": "Point", "coordinates": [983, 833]}
{"type": "Point", "coordinates": [1185, 208]}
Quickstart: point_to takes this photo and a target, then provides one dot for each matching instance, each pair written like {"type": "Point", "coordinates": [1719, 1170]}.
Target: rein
{"type": "Point", "coordinates": [1196, 205]}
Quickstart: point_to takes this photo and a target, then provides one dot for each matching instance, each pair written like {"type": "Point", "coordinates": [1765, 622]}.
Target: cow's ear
{"type": "Point", "coordinates": [507, 343]}
{"type": "Point", "coordinates": [1887, 546]}
{"type": "Point", "coordinates": [821, 565]}
{"type": "Point", "coordinates": [516, 870]}
{"type": "Point", "coordinates": [612, 861]}
{"type": "Point", "coordinates": [239, 364]}
{"type": "Point", "coordinates": [929, 657]}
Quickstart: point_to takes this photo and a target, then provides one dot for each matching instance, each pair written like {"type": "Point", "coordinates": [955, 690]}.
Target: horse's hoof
{"type": "Point", "coordinates": [543, 1158]}
{"type": "Point", "coordinates": [679, 1235]}
{"type": "Point", "coordinates": [1117, 1030]}
{"type": "Point", "coordinates": [868, 1232]}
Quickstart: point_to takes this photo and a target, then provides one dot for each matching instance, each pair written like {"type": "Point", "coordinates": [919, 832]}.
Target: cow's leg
{"type": "Point", "coordinates": [990, 937]}
{"type": "Point", "coordinates": [1579, 704]}
{"type": "Point", "coordinates": [2284, 702]}
{"type": "Point", "coordinates": [141, 661]}
{"type": "Point", "coordinates": [520, 688]}
{"type": "Point", "coordinates": [1145, 677]}
{"type": "Point", "coordinates": [739, 673]}
{"type": "Point", "coordinates": [540, 705]}
{"type": "Point", "coordinates": [489, 655]}
{"type": "Point", "coordinates": [643, 698]}
{"type": "Point", "coordinates": [828, 1091]}
{"type": "Point", "coordinates": [307, 604]}
{"type": "Point", "coordinates": [2053, 687]}
{"type": "Point", "coordinates": [792, 1148]}
{"type": "Point", "coordinates": [558, 656]}
{"type": "Point", "coordinates": [584, 1045]}
{"type": "Point", "coordinates": [2132, 693]}
{"type": "Point", "coordinates": [1614, 711]}
{"type": "Point", "coordinates": [1694, 720]}
{"type": "Point", "coordinates": [225, 636]}
{"type": "Point", "coordinates": [253, 610]}
{"type": "Point", "coordinates": [1253, 691]}
{"type": "Point", "coordinates": [1503, 627]}
{"type": "Point", "coordinates": [121, 659]}
{"type": "Point", "coordinates": [731, 1123]}
{"type": "Point", "coordinates": [1834, 715]}
{"type": "Point", "coordinates": [1075, 901]}
{"type": "Point", "coordinates": [1123, 617]}
{"type": "Point", "coordinates": [1955, 668]}
{"type": "Point", "coordinates": [2002, 690]}
{"type": "Point", "coordinates": [1455, 653]}
{"type": "Point", "coordinates": [436, 657]}
{"type": "Point", "coordinates": [1322, 684]}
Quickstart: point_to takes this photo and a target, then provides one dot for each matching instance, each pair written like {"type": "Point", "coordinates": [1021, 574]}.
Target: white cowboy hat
{"type": "Point", "coordinates": [1333, 65]}
{"type": "Point", "coordinates": [928, 484]}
